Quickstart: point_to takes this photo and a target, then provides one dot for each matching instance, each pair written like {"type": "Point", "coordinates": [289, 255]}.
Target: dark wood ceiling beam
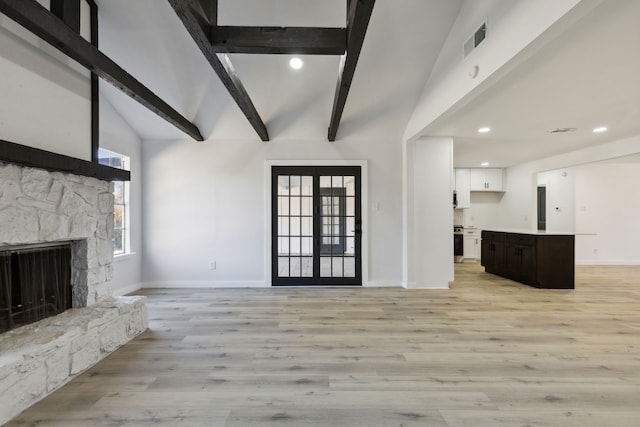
{"type": "Point", "coordinates": [68, 11]}
{"type": "Point", "coordinates": [199, 30]}
{"type": "Point", "coordinates": [208, 9]}
{"type": "Point", "coordinates": [279, 40]}
{"type": "Point", "coordinates": [37, 19]}
{"type": "Point", "coordinates": [358, 16]}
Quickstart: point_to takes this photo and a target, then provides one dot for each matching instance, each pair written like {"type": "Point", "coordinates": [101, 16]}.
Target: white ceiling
{"type": "Point", "coordinates": [588, 76]}
{"type": "Point", "coordinates": [404, 39]}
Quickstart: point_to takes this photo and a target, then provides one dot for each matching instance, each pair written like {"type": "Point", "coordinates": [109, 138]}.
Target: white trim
{"type": "Point", "coordinates": [203, 284]}
{"type": "Point", "coordinates": [383, 284]}
{"type": "Point", "coordinates": [432, 286]}
{"type": "Point", "coordinates": [124, 257]}
{"type": "Point", "coordinates": [408, 285]}
{"type": "Point", "coordinates": [364, 200]}
{"type": "Point", "coordinates": [120, 291]}
{"type": "Point", "coordinates": [607, 262]}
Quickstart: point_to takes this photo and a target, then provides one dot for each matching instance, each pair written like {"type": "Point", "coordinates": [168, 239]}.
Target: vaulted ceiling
{"type": "Point", "coordinates": [192, 56]}
{"type": "Point", "coordinates": [149, 39]}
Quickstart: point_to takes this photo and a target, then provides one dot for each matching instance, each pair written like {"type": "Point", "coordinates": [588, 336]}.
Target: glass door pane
{"type": "Point", "coordinates": [337, 250]}
{"type": "Point", "coordinates": [295, 231]}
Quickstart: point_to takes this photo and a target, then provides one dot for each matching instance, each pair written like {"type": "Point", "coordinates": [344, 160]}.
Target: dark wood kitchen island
{"type": "Point", "coordinates": [536, 258]}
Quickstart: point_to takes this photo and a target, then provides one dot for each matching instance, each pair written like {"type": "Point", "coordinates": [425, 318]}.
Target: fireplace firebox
{"type": "Point", "coordinates": [35, 283]}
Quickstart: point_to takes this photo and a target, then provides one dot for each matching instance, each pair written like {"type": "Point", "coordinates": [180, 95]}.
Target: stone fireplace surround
{"type": "Point", "coordinates": [38, 206]}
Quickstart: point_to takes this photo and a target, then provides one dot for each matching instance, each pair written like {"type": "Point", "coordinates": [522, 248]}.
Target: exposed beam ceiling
{"type": "Point", "coordinates": [199, 28]}
{"type": "Point", "coordinates": [358, 16]}
{"type": "Point", "coordinates": [200, 19]}
{"type": "Point", "coordinates": [279, 40]}
{"type": "Point", "coordinates": [37, 19]}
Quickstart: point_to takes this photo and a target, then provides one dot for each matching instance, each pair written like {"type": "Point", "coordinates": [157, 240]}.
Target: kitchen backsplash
{"type": "Point", "coordinates": [458, 216]}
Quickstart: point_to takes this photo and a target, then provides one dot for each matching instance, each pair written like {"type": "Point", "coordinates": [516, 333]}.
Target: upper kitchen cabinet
{"type": "Point", "coordinates": [486, 179]}
{"type": "Point", "coordinates": [462, 189]}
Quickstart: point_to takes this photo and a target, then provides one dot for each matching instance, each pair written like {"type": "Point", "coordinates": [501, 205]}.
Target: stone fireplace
{"type": "Point", "coordinates": [38, 207]}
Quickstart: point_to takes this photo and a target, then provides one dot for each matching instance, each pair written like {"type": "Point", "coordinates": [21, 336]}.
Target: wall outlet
{"type": "Point", "coordinates": [212, 265]}
{"type": "Point", "coordinates": [595, 252]}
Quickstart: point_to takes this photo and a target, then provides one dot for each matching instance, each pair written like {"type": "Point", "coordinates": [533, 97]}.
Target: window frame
{"type": "Point", "coordinates": [120, 161]}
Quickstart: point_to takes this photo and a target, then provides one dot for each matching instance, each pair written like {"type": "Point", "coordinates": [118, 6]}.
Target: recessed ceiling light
{"type": "Point", "coordinates": [484, 130]}
{"type": "Point", "coordinates": [484, 164]}
{"type": "Point", "coordinates": [600, 129]}
{"type": "Point", "coordinates": [296, 63]}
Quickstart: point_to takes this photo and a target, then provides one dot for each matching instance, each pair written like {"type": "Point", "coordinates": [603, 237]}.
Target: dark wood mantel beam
{"type": "Point", "coordinates": [35, 158]}
{"type": "Point", "coordinates": [279, 40]}
{"type": "Point", "coordinates": [199, 28]}
{"type": "Point", "coordinates": [358, 16]}
{"type": "Point", "coordinates": [37, 19]}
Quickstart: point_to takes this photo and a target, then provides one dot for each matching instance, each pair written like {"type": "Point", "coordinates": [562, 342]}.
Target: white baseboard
{"type": "Point", "coordinates": [239, 284]}
{"type": "Point", "coordinates": [119, 291]}
{"type": "Point", "coordinates": [204, 284]}
{"type": "Point", "coordinates": [382, 284]}
{"type": "Point", "coordinates": [611, 262]}
{"type": "Point", "coordinates": [433, 286]}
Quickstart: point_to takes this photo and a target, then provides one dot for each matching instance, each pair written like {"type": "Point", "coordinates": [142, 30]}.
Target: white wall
{"type": "Point", "coordinates": [513, 25]}
{"type": "Point", "coordinates": [518, 206]}
{"type": "Point", "coordinates": [206, 202]}
{"type": "Point", "coordinates": [46, 97]}
{"type": "Point", "coordinates": [608, 212]}
{"type": "Point", "coordinates": [560, 191]}
{"type": "Point", "coordinates": [429, 229]}
{"type": "Point", "coordinates": [482, 211]}
{"type": "Point", "coordinates": [517, 209]}
{"type": "Point", "coordinates": [116, 135]}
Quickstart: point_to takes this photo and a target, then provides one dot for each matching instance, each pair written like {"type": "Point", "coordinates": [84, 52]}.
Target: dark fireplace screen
{"type": "Point", "coordinates": [35, 283]}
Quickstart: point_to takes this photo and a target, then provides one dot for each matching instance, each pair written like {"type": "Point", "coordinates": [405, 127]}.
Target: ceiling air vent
{"type": "Point", "coordinates": [474, 41]}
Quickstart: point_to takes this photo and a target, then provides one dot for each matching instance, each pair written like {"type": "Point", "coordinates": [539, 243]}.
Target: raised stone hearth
{"type": "Point", "coordinates": [37, 206]}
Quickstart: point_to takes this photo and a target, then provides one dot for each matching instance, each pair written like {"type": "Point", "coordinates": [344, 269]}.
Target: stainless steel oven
{"type": "Point", "coordinates": [458, 243]}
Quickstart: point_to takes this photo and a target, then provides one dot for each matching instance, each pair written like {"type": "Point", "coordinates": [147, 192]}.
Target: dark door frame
{"type": "Point", "coordinates": [541, 207]}
{"type": "Point", "coordinates": [316, 171]}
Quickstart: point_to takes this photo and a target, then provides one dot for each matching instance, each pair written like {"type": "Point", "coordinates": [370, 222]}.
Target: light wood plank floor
{"type": "Point", "coordinates": [488, 352]}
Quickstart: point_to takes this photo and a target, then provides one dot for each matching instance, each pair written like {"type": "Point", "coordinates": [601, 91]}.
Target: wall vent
{"type": "Point", "coordinates": [476, 38]}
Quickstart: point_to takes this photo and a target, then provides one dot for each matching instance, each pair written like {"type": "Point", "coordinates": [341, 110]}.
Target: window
{"type": "Point", "coordinates": [121, 201]}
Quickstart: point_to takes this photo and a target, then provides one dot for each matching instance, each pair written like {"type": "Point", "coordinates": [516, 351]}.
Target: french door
{"type": "Point", "coordinates": [316, 225]}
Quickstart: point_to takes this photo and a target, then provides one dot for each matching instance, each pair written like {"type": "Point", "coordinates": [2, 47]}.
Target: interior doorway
{"type": "Point", "coordinates": [542, 208]}
{"type": "Point", "coordinates": [316, 225]}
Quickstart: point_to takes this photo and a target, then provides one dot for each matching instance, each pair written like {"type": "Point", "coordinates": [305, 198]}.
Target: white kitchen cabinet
{"type": "Point", "coordinates": [462, 188]}
{"type": "Point", "coordinates": [486, 179]}
{"type": "Point", "coordinates": [471, 242]}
